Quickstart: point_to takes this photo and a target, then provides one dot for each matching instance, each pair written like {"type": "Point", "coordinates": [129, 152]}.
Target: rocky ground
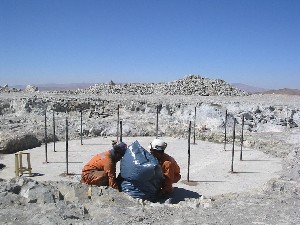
{"type": "Point", "coordinates": [271, 125]}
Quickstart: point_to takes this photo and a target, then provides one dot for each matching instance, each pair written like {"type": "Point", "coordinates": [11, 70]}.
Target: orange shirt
{"type": "Point", "coordinates": [102, 162]}
{"type": "Point", "coordinates": [171, 172]}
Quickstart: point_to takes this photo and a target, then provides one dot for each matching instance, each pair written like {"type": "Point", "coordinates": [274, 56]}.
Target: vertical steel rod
{"type": "Point", "coordinates": [46, 137]}
{"type": "Point", "coordinates": [189, 152]}
{"type": "Point", "coordinates": [157, 121]}
{"type": "Point", "coordinates": [118, 122]}
{"type": "Point", "coordinates": [242, 138]}
{"type": "Point", "coordinates": [54, 131]}
{"type": "Point", "coordinates": [121, 128]}
{"type": "Point", "coordinates": [81, 127]}
{"type": "Point", "coordinates": [233, 140]}
{"type": "Point", "coordinates": [67, 145]}
{"type": "Point", "coordinates": [195, 127]}
{"type": "Point", "coordinates": [225, 137]}
{"type": "Point", "coordinates": [287, 118]}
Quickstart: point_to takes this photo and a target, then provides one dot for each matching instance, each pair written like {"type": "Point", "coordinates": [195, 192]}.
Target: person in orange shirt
{"type": "Point", "coordinates": [101, 169]}
{"type": "Point", "coordinates": [170, 168]}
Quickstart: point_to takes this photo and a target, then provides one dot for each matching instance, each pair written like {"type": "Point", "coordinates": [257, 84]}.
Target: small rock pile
{"type": "Point", "coordinates": [31, 88]}
{"type": "Point", "coordinates": [7, 89]}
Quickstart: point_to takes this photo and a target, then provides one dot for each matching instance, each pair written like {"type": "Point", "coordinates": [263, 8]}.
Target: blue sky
{"type": "Point", "coordinates": [254, 42]}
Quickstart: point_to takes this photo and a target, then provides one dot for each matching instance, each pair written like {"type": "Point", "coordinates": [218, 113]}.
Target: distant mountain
{"type": "Point", "coordinates": [284, 91]}
{"type": "Point", "coordinates": [248, 88]}
{"type": "Point", "coordinates": [252, 90]}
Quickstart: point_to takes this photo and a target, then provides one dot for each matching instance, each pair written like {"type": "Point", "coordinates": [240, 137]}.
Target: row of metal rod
{"type": "Point", "coordinates": [225, 141]}
{"type": "Point", "coordinates": [119, 135]}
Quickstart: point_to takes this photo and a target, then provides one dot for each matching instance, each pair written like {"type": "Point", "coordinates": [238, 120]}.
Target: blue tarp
{"type": "Point", "coordinates": [141, 173]}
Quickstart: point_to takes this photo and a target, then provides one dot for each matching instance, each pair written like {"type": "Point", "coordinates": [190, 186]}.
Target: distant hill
{"type": "Point", "coordinates": [248, 88]}
{"type": "Point", "coordinates": [284, 91]}
{"type": "Point", "coordinates": [253, 90]}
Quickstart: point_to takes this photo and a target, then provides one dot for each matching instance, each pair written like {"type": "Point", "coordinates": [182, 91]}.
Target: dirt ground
{"type": "Point", "coordinates": [210, 165]}
{"type": "Point", "coordinates": [264, 187]}
{"type": "Point", "coordinates": [262, 190]}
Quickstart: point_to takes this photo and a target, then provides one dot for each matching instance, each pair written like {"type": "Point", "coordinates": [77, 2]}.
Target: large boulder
{"type": "Point", "coordinates": [11, 144]}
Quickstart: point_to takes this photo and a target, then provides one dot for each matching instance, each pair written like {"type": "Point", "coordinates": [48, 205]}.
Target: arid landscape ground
{"type": "Point", "coordinates": [268, 193]}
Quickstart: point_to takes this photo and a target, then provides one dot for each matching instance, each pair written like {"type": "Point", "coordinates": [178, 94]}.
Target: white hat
{"type": "Point", "coordinates": [158, 144]}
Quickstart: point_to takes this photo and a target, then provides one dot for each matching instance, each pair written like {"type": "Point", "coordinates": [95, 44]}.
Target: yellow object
{"type": "Point", "coordinates": [19, 169]}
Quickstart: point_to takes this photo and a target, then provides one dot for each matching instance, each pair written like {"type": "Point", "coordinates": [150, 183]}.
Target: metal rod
{"type": "Point", "coordinates": [233, 140]}
{"type": "Point", "coordinates": [46, 137]}
{"type": "Point", "coordinates": [195, 127]}
{"type": "Point", "coordinates": [225, 137]}
{"type": "Point", "coordinates": [54, 131]}
{"type": "Point", "coordinates": [189, 152]}
{"type": "Point", "coordinates": [118, 122]}
{"type": "Point", "coordinates": [81, 127]}
{"type": "Point", "coordinates": [67, 145]}
{"type": "Point", "coordinates": [157, 121]}
{"type": "Point", "coordinates": [121, 137]}
{"type": "Point", "coordinates": [242, 138]}
{"type": "Point", "coordinates": [287, 117]}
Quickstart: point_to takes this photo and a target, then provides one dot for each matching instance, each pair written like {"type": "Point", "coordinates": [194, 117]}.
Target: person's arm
{"type": "Point", "coordinates": [168, 171]}
{"type": "Point", "coordinates": [110, 169]}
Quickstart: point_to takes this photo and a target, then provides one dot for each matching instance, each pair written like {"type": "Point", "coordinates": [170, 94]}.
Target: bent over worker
{"type": "Point", "coordinates": [101, 169]}
{"type": "Point", "coordinates": [170, 168]}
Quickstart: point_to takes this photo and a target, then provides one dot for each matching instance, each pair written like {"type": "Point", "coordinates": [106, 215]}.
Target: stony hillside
{"type": "Point", "coordinates": [189, 85]}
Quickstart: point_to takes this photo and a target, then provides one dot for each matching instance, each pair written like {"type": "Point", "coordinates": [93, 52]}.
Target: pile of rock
{"type": "Point", "coordinates": [31, 89]}
{"type": "Point", "coordinates": [6, 89]}
{"type": "Point", "coordinates": [189, 85]}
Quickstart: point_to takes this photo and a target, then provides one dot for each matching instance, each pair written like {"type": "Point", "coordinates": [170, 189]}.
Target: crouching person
{"type": "Point", "coordinates": [170, 168]}
{"type": "Point", "coordinates": [101, 169]}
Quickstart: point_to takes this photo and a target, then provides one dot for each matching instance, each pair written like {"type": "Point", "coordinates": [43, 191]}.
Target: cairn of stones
{"type": "Point", "coordinates": [189, 85]}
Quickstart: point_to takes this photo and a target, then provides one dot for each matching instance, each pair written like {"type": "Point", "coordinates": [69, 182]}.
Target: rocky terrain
{"type": "Point", "coordinates": [271, 125]}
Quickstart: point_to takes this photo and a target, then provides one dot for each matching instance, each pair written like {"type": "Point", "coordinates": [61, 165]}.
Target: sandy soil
{"type": "Point", "coordinates": [210, 166]}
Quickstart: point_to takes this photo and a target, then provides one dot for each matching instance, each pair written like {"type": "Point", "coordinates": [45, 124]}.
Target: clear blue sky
{"type": "Point", "coordinates": [255, 42]}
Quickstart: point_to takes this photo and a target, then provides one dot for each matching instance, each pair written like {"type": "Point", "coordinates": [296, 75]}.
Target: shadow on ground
{"type": "Point", "coordinates": [180, 194]}
{"type": "Point", "coordinates": [37, 174]}
{"type": "Point", "coordinates": [2, 166]}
